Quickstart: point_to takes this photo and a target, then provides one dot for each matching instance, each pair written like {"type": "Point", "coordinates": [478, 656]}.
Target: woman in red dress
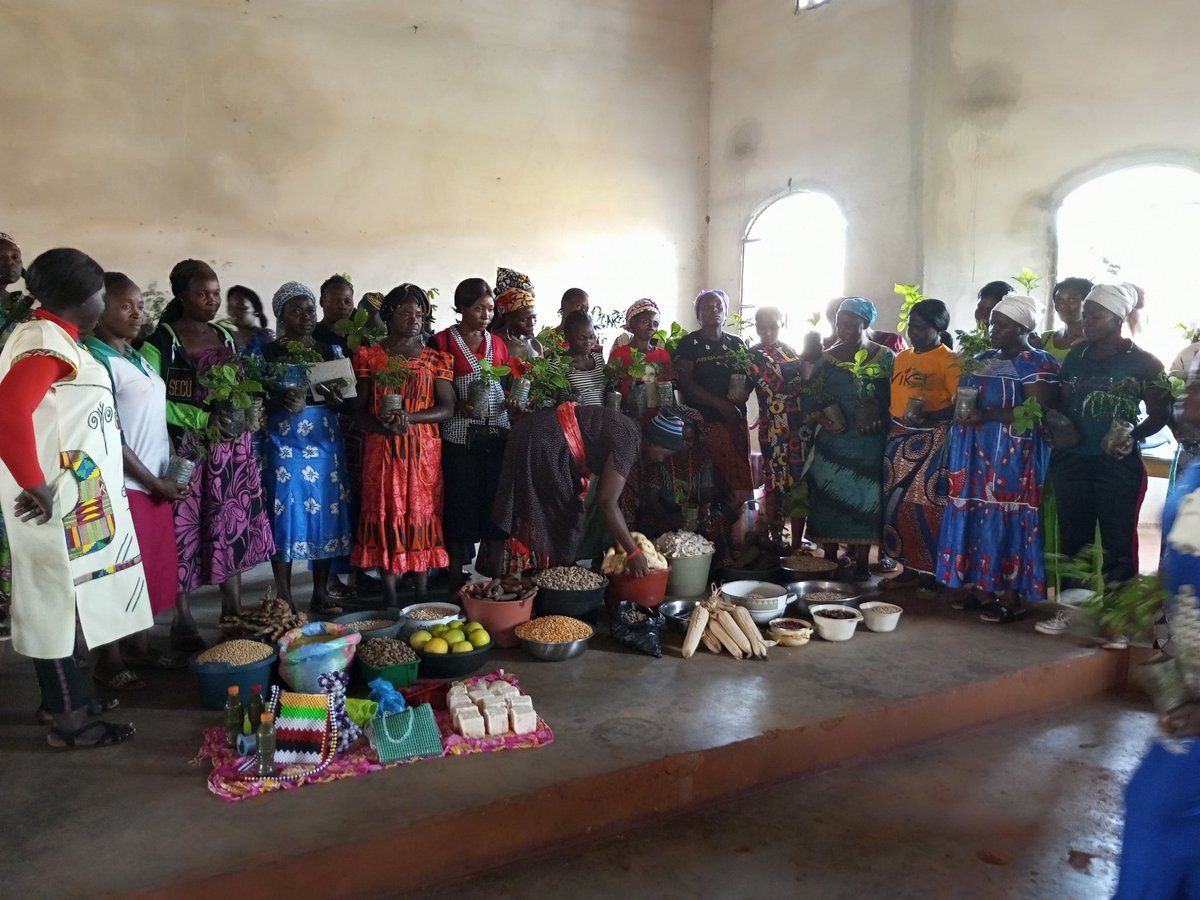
{"type": "Point", "coordinates": [400, 523]}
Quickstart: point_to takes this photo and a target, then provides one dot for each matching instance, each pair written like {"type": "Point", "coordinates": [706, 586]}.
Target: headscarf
{"type": "Point", "coordinates": [514, 291]}
{"type": "Point", "coordinates": [1021, 309]}
{"type": "Point", "coordinates": [8, 237]}
{"type": "Point", "coordinates": [665, 430]}
{"type": "Point", "coordinates": [639, 307]}
{"type": "Point", "coordinates": [1115, 298]}
{"type": "Point", "coordinates": [861, 307]}
{"type": "Point", "coordinates": [715, 292]}
{"type": "Point", "coordinates": [288, 291]}
{"type": "Point", "coordinates": [371, 300]}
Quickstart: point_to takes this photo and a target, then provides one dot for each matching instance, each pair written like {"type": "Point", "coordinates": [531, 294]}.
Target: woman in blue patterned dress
{"type": "Point", "coordinates": [305, 460]}
{"type": "Point", "coordinates": [991, 535]}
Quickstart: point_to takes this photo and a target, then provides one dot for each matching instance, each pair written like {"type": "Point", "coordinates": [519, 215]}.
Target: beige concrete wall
{"type": "Point", "coordinates": [423, 141]}
{"type": "Point", "coordinates": [947, 129]}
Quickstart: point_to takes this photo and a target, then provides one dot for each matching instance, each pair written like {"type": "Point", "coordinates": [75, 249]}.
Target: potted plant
{"type": "Point", "coordinates": [392, 378]}
{"type": "Point", "coordinates": [912, 296]}
{"type": "Point", "coordinates": [230, 395]}
{"type": "Point", "coordinates": [866, 377]}
{"type": "Point", "coordinates": [970, 345]}
{"type": "Point", "coordinates": [480, 390]}
{"type": "Point", "coordinates": [738, 359]}
{"type": "Point", "coordinates": [817, 391]}
{"type": "Point", "coordinates": [669, 340]}
{"type": "Point", "coordinates": [1028, 279]}
{"type": "Point", "coordinates": [1119, 403]}
{"type": "Point", "coordinates": [357, 330]}
{"type": "Point", "coordinates": [540, 382]}
{"type": "Point", "coordinates": [1027, 416]}
{"type": "Point", "coordinates": [917, 381]}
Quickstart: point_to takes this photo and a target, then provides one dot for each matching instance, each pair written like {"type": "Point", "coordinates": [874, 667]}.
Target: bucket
{"type": "Point", "coordinates": [216, 678]}
{"type": "Point", "coordinates": [689, 575]}
{"type": "Point", "coordinates": [648, 592]}
{"type": "Point", "coordinates": [584, 605]}
{"type": "Point", "coordinates": [499, 617]}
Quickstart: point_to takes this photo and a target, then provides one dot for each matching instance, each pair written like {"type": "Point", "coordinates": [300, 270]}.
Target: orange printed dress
{"type": "Point", "coordinates": [400, 522]}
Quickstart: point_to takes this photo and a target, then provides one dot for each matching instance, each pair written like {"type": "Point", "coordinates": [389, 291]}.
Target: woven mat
{"type": "Point", "coordinates": [229, 783]}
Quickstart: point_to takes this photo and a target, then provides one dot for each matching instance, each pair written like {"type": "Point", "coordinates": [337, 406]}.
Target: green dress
{"type": "Point", "coordinates": [845, 481]}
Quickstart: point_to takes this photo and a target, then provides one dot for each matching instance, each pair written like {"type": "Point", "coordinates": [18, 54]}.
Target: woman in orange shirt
{"type": "Point", "coordinates": [924, 381]}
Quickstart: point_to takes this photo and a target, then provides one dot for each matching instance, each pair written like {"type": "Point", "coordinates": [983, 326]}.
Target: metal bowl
{"type": "Point", "coordinates": [801, 590]}
{"type": "Point", "coordinates": [822, 569]}
{"type": "Point", "coordinates": [679, 614]}
{"type": "Point", "coordinates": [555, 652]}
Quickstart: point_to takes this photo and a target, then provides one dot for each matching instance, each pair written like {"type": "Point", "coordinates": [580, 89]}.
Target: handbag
{"type": "Point", "coordinates": [406, 735]}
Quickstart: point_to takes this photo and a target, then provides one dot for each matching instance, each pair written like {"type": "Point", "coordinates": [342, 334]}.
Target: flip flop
{"type": "Point", "coordinates": [109, 735]}
{"type": "Point", "coordinates": [157, 661]}
{"type": "Point", "coordinates": [125, 680]}
{"type": "Point", "coordinates": [96, 707]}
{"type": "Point", "coordinates": [973, 599]}
{"type": "Point", "coordinates": [887, 564]}
{"type": "Point", "coordinates": [999, 614]}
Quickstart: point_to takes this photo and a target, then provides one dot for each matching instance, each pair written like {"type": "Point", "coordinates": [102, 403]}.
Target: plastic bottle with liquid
{"type": "Point", "coordinates": [264, 754]}
{"type": "Point", "coordinates": [233, 716]}
{"type": "Point", "coordinates": [254, 707]}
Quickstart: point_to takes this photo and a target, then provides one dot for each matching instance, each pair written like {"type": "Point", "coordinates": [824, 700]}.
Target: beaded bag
{"type": "Point", "coordinates": [305, 733]}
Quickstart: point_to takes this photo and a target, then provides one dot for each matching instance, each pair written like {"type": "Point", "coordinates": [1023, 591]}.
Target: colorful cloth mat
{"type": "Point", "coordinates": [229, 782]}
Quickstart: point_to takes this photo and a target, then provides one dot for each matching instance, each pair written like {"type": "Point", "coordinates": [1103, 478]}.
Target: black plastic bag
{"type": "Point", "coordinates": [638, 628]}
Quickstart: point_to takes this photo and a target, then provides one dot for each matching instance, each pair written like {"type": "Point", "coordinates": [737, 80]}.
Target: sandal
{"type": "Point", "coordinates": [109, 735]}
{"type": "Point", "coordinates": [860, 574]}
{"type": "Point", "coordinates": [95, 707]}
{"type": "Point", "coordinates": [975, 599]}
{"type": "Point", "coordinates": [887, 564]}
{"type": "Point", "coordinates": [1000, 614]}
{"type": "Point", "coordinates": [324, 608]}
{"type": "Point", "coordinates": [125, 680]}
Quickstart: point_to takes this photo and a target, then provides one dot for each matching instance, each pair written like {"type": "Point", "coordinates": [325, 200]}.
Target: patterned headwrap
{"type": "Point", "coordinates": [1021, 309]}
{"type": "Point", "coordinates": [286, 292]}
{"type": "Point", "coordinates": [719, 294]}
{"type": "Point", "coordinates": [665, 430]}
{"type": "Point", "coordinates": [513, 290]}
{"type": "Point", "coordinates": [371, 300]}
{"type": "Point", "coordinates": [8, 237]}
{"type": "Point", "coordinates": [861, 307]}
{"type": "Point", "coordinates": [639, 307]}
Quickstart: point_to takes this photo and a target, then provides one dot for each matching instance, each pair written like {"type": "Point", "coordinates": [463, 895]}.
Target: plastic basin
{"type": "Point", "coordinates": [689, 575]}
{"type": "Point", "coordinates": [390, 631]}
{"type": "Point", "coordinates": [765, 600]}
{"type": "Point", "coordinates": [835, 629]}
{"type": "Point", "coordinates": [585, 604]}
{"type": "Point", "coordinates": [399, 675]}
{"type": "Point", "coordinates": [216, 678]}
{"type": "Point", "coordinates": [880, 616]}
{"type": "Point", "coordinates": [450, 612]}
{"type": "Point", "coordinates": [649, 591]}
{"type": "Point", "coordinates": [498, 617]}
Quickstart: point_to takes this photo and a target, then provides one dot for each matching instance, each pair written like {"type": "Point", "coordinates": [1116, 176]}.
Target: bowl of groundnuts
{"type": "Point", "coordinates": [554, 638]}
{"type": "Point", "coordinates": [378, 623]}
{"type": "Point", "coordinates": [805, 594]}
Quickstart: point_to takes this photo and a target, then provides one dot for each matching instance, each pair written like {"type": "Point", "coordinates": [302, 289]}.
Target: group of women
{"type": "Point", "coordinates": [412, 448]}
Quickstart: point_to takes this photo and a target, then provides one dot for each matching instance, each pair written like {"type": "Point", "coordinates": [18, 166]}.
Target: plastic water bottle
{"type": "Point", "coordinates": [264, 755]}
{"type": "Point", "coordinates": [233, 716]}
{"type": "Point", "coordinates": [254, 708]}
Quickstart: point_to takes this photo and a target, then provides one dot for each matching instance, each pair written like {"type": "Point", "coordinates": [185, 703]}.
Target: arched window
{"type": "Point", "coordinates": [1142, 225]}
{"type": "Point", "coordinates": [794, 257]}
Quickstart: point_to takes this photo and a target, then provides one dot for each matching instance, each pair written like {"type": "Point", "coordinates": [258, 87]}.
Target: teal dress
{"type": "Point", "coordinates": [845, 481]}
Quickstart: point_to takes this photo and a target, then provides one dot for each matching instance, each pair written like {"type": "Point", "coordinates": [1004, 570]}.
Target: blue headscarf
{"type": "Point", "coordinates": [860, 307]}
{"type": "Point", "coordinates": [286, 292]}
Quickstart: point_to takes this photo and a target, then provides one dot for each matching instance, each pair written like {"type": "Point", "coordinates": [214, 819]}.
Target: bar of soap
{"type": "Point", "coordinates": [477, 693]}
{"type": "Point", "coordinates": [459, 701]}
{"type": "Point", "coordinates": [471, 724]}
{"type": "Point", "coordinates": [487, 703]}
{"type": "Point", "coordinates": [521, 701]}
{"type": "Point", "coordinates": [522, 721]}
{"type": "Point", "coordinates": [504, 689]}
{"type": "Point", "coordinates": [497, 721]}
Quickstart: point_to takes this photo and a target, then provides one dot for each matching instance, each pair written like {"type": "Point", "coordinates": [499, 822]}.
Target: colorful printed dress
{"type": "Point", "coordinates": [772, 371]}
{"type": "Point", "coordinates": [222, 528]}
{"type": "Point", "coordinates": [305, 477]}
{"type": "Point", "coordinates": [914, 463]}
{"type": "Point", "coordinates": [845, 482]}
{"type": "Point", "coordinates": [400, 525]}
{"type": "Point", "coordinates": [992, 531]}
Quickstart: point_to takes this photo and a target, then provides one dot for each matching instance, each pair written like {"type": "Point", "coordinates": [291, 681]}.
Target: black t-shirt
{"type": "Point", "coordinates": [324, 334]}
{"type": "Point", "coordinates": [710, 366]}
